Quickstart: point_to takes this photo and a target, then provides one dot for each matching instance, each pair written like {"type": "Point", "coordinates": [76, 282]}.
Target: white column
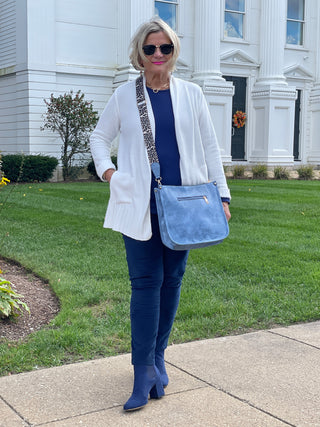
{"type": "Point", "coordinates": [131, 14]}
{"type": "Point", "coordinates": [207, 40]}
{"type": "Point", "coordinates": [207, 74]}
{"type": "Point", "coordinates": [318, 46]}
{"type": "Point", "coordinates": [314, 155]}
{"type": "Point", "coordinates": [273, 39]}
{"type": "Point", "coordinates": [273, 100]}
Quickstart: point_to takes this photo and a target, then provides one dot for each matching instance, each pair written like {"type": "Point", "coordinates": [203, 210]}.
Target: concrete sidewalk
{"type": "Point", "coordinates": [268, 378]}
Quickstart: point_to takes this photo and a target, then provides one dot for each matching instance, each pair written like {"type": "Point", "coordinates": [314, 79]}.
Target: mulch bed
{"type": "Point", "coordinates": [43, 304]}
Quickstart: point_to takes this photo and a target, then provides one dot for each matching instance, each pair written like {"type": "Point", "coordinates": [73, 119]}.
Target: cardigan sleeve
{"type": "Point", "coordinates": [102, 137]}
{"type": "Point", "coordinates": [211, 148]}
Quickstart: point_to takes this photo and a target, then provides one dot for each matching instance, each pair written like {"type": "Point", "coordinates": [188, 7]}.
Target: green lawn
{"type": "Point", "coordinates": [266, 273]}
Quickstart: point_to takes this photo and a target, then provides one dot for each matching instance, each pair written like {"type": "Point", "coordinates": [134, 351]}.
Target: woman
{"type": "Point", "coordinates": [188, 154]}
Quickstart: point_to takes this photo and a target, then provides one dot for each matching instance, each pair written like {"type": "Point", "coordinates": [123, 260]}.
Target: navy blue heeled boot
{"type": "Point", "coordinates": [146, 380]}
{"type": "Point", "coordinates": [159, 361]}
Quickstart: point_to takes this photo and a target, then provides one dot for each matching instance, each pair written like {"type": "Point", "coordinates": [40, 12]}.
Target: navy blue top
{"type": "Point", "coordinates": [165, 141]}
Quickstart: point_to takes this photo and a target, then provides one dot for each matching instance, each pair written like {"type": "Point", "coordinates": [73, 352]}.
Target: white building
{"type": "Point", "coordinates": [258, 56]}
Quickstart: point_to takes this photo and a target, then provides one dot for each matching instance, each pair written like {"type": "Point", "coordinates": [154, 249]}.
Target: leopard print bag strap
{"type": "Point", "coordinates": [145, 123]}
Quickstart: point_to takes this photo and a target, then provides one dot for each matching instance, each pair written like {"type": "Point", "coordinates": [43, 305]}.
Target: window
{"type": "Point", "coordinates": [167, 10]}
{"type": "Point", "coordinates": [295, 22]}
{"type": "Point", "coordinates": [234, 18]}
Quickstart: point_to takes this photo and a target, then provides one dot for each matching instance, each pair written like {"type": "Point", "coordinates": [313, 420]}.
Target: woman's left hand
{"type": "Point", "coordinates": [226, 210]}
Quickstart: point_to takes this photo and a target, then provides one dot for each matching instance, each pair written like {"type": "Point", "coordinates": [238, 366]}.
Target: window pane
{"type": "Point", "coordinates": [167, 12]}
{"type": "Point", "coordinates": [233, 25]}
{"type": "Point", "coordinates": [237, 5]}
{"type": "Point", "coordinates": [294, 32]}
{"type": "Point", "coordinates": [296, 9]}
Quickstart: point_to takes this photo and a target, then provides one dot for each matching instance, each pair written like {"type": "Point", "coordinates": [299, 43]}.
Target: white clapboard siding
{"type": "Point", "coordinates": [7, 33]}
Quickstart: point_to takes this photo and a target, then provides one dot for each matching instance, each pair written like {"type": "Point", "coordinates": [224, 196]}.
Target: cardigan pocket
{"type": "Point", "coordinates": [121, 187]}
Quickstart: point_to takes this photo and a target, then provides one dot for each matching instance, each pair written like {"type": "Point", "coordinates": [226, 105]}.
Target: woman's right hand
{"type": "Point", "coordinates": [226, 210]}
{"type": "Point", "coordinates": [107, 175]}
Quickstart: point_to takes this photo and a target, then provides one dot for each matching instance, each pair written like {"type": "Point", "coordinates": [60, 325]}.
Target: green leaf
{"type": "Point", "coordinates": [5, 308]}
{"type": "Point", "coordinates": [10, 300]}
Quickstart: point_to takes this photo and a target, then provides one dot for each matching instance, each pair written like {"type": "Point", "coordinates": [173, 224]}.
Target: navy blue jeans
{"type": "Point", "coordinates": [155, 273]}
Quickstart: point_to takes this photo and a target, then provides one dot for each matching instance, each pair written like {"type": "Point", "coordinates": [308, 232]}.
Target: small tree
{"type": "Point", "coordinates": [73, 118]}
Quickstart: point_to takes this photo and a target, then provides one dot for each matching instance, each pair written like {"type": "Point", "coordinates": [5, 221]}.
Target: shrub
{"type": "Point", "coordinates": [75, 172]}
{"type": "Point", "coordinates": [259, 172]}
{"type": "Point", "coordinates": [114, 161]}
{"type": "Point", "coordinates": [29, 168]}
{"type": "Point", "coordinates": [10, 302]}
{"type": "Point", "coordinates": [280, 172]}
{"type": "Point", "coordinates": [305, 172]}
{"type": "Point", "coordinates": [91, 169]}
{"type": "Point", "coordinates": [238, 171]}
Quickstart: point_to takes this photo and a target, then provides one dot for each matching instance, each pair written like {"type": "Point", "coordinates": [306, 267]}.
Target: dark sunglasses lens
{"type": "Point", "coordinates": [166, 48]}
{"type": "Point", "coordinates": [149, 49]}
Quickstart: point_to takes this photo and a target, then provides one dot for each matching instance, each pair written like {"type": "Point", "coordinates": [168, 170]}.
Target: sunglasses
{"type": "Point", "coordinates": [165, 49]}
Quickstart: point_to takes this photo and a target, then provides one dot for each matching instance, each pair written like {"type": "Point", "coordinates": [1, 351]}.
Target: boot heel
{"type": "Point", "coordinates": [157, 390]}
{"type": "Point", "coordinates": [146, 380]}
{"type": "Point", "coordinates": [159, 362]}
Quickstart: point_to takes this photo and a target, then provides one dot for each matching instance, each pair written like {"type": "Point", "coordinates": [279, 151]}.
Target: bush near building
{"type": "Point", "coordinates": [305, 172]}
{"type": "Point", "coordinates": [30, 168]}
{"type": "Point", "coordinates": [260, 172]}
{"type": "Point", "coordinates": [238, 171]}
{"type": "Point", "coordinates": [281, 172]}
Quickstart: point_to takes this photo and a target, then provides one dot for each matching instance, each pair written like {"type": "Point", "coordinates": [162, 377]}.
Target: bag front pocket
{"type": "Point", "coordinates": [190, 198]}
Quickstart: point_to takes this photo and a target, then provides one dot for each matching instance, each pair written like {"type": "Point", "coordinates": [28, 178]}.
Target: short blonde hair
{"type": "Point", "coordinates": [155, 25]}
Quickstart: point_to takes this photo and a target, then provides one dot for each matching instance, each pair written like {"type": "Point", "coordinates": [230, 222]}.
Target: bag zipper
{"type": "Point", "coordinates": [187, 198]}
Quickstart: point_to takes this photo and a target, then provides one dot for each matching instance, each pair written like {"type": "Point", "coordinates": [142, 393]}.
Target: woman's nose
{"type": "Point", "coordinates": [157, 52]}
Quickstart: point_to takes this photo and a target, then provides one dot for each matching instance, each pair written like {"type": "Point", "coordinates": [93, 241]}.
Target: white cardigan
{"type": "Point", "coordinates": [129, 205]}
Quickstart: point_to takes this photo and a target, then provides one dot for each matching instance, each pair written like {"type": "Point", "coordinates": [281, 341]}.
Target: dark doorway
{"type": "Point", "coordinates": [238, 104]}
{"type": "Point", "coordinates": [296, 137]}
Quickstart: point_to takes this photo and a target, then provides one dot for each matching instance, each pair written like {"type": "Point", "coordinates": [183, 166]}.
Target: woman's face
{"type": "Point", "coordinates": [158, 63]}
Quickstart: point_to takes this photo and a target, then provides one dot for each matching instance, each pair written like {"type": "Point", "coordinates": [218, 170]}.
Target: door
{"type": "Point", "coordinates": [296, 138]}
{"type": "Point", "coordinates": [238, 104]}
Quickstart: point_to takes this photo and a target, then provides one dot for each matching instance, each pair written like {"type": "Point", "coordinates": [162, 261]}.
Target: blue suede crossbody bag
{"type": "Point", "coordinates": [190, 216]}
